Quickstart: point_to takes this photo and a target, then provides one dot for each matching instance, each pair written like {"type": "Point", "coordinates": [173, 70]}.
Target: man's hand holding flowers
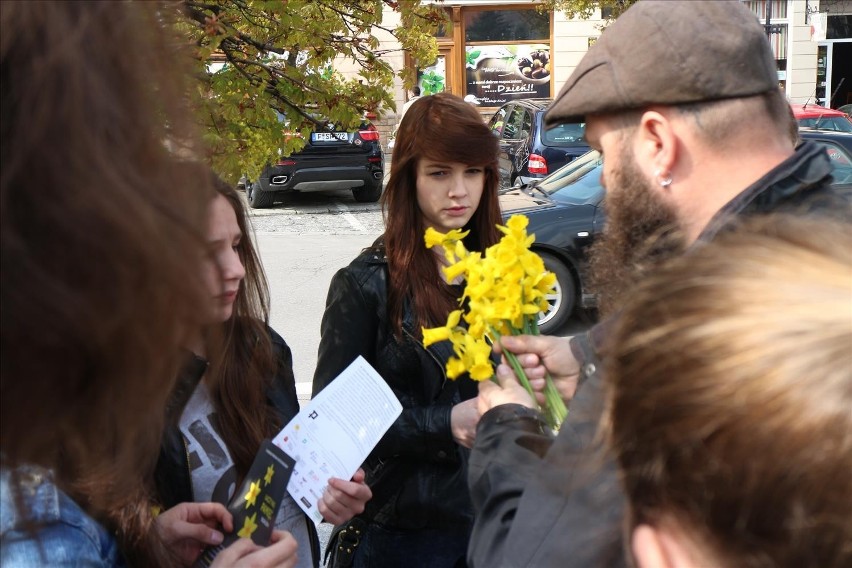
{"type": "Point", "coordinates": [539, 355]}
{"type": "Point", "coordinates": [506, 390]}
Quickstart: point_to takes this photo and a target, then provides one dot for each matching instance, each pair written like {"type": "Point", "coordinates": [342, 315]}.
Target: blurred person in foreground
{"type": "Point", "coordinates": [101, 248]}
{"type": "Point", "coordinates": [682, 100]}
{"type": "Point", "coordinates": [728, 402]}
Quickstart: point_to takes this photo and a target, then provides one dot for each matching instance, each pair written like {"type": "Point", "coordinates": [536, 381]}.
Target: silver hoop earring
{"type": "Point", "coordinates": [663, 181]}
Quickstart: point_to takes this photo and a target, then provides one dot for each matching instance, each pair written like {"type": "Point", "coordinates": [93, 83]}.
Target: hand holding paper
{"type": "Point", "coordinates": [187, 528]}
{"type": "Point", "coordinates": [343, 499]}
{"type": "Point", "coordinates": [335, 432]}
{"type": "Point", "coordinates": [256, 503]}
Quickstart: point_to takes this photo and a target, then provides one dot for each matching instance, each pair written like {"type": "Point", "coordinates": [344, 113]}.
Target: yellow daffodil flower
{"type": "Point", "coordinates": [505, 290]}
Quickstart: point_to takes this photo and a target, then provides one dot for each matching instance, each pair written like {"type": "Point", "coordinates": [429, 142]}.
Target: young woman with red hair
{"type": "Point", "coordinates": [444, 175]}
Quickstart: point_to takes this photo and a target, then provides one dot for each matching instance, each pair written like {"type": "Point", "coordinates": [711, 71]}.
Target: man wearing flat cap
{"type": "Point", "coordinates": [682, 101]}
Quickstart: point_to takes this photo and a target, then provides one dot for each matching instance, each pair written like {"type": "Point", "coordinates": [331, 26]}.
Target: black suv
{"type": "Point", "coordinates": [329, 160]}
{"type": "Point", "coordinates": [528, 151]}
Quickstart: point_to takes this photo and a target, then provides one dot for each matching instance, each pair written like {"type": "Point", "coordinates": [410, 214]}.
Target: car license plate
{"type": "Point", "coordinates": [329, 136]}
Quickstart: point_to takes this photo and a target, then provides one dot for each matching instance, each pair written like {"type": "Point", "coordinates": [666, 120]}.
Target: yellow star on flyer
{"type": "Point", "coordinates": [249, 526]}
{"type": "Point", "coordinates": [270, 471]}
{"type": "Point", "coordinates": [252, 493]}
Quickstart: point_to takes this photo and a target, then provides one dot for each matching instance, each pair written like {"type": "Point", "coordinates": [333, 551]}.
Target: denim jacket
{"type": "Point", "coordinates": [61, 533]}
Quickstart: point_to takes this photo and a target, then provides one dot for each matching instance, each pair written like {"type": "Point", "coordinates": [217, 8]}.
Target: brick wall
{"type": "Point", "coordinates": [386, 125]}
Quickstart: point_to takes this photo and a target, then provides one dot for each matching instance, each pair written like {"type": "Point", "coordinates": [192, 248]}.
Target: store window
{"type": "Point", "coordinates": [507, 55]}
{"type": "Point", "coordinates": [773, 16]}
{"type": "Point", "coordinates": [506, 25]}
{"type": "Point", "coordinates": [822, 68]}
{"type": "Point", "coordinates": [445, 28]}
{"type": "Point", "coordinates": [432, 79]}
{"type": "Point", "coordinates": [839, 27]}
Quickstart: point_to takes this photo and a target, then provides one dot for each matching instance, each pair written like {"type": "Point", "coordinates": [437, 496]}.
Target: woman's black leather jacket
{"type": "Point", "coordinates": [417, 471]}
{"type": "Point", "coordinates": [172, 475]}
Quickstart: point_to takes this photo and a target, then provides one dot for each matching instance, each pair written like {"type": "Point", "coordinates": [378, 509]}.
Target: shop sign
{"type": "Point", "coordinates": [497, 74]}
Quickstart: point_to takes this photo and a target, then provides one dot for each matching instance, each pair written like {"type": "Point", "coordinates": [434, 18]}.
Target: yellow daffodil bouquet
{"type": "Point", "coordinates": [505, 291]}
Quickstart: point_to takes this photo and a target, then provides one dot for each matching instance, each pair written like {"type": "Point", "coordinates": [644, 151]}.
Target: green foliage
{"type": "Point", "coordinates": [585, 8]}
{"type": "Point", "coordinates": [267, 74]}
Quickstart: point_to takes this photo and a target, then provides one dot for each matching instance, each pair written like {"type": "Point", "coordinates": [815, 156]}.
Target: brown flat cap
{"type": "Point", "coordinates": [669, 52]}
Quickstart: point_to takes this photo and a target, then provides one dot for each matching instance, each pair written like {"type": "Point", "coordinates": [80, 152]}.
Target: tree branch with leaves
{"type": "Point", "coordinates": [267, 69]}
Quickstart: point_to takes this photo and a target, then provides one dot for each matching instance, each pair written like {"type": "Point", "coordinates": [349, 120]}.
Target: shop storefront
{"type": "Point", "coordinates": [491, 54]}
{"type": "Point", "coordinates": [834, 56]}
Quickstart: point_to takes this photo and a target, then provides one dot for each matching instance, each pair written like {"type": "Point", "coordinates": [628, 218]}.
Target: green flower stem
{"type": "Point", "coordinates": [519, 372]}
{"type": "Point", "coordinates": [553, 400]}
{"type": "Point", "coordinates": [516, 366]}
{"type": "Point", "coordinates": [554, 410]}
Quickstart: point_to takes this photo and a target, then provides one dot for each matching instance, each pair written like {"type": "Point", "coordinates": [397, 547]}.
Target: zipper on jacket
{"type": "Point", "coordinates": [432, 355]}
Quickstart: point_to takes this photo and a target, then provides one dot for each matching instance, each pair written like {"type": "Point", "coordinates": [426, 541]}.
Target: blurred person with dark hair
{"type": "Point", "coordinates": [101, 239]}
{"type": "Point", "coordinates": [729, 381]}
{"type": "Point", "coordinates": [237, 388]}
{"type": "Point", "coordinates": [444, 175]}
{"type": "Point", "coordinates": [682, 100]}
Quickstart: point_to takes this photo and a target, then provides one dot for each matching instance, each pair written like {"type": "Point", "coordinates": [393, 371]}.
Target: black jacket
{"type": "Point", "coordinates": [417, 471]}
{"type": "Point", "coordinates": [543, 502]}
{"type": "Point", "coordinates": [172, 476]}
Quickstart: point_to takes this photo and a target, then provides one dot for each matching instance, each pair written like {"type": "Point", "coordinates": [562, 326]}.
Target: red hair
{"type": "Point", "coordinates": [438, 127]}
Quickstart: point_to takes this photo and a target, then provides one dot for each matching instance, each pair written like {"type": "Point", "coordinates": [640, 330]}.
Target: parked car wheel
{"type": "Point", "coordinates": [258, 198]}
{"type": "Point", "coordinates": [368, 193]}
{"type": "Point", "coordinates": [562, 301]}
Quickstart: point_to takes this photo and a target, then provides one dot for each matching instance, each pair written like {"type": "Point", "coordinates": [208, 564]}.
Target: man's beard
{"type": "Point", "coordinates": [641, 232]}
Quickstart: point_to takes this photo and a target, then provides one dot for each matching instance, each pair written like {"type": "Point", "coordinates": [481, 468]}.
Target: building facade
{"type": "Point", "coordinates": [491, 51]}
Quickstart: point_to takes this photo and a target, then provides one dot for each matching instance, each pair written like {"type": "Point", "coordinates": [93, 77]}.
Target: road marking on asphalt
{"type": "Point", "coordinates": [350, 218]}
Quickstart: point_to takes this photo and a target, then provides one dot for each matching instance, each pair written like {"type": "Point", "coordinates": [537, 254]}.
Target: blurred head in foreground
{"type": "Point", "coordinates": [730, 397]}
{"type": "Point", "coordinates": [101, 232]}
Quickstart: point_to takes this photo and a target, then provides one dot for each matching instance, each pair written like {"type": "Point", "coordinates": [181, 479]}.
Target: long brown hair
{"type": "Point", "coordinates": [243, 364]}
{"type": "Point", "coordinates": [438, 127]}
{"type": "Point", "coordinates": [730, 393]}
{"type": "Point", "coordinates": [100, 233]}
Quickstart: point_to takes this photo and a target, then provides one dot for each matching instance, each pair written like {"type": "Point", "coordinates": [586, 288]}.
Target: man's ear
{"type": "Point", "coordinates": [655, 146]}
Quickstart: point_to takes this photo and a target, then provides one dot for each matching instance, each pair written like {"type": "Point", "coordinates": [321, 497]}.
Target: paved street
{"type": "Point", "coordinates": [303, 242]}
{"type": "Point", "coordinates": [300, 267]}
